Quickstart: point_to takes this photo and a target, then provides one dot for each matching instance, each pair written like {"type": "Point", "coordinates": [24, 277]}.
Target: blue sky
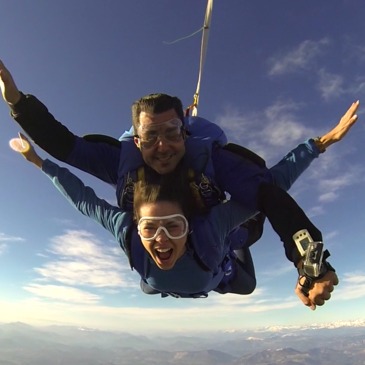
{"type": "Point", "coordinates": [276, 73]}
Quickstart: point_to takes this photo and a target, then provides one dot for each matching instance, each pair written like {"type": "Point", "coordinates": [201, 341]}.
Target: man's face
{"type": "Point", "coordinates": [169, 147]}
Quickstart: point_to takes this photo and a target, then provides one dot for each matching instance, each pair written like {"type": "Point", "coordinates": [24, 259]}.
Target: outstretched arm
{"type": "Point", "coordinates": [98, 159]}
{"type": "Point", "coordinates": [35, 119]}
{"type": "Point", "coordinates": [287, 170]}
{"type": "Point", "coordinates": [81, 197]}
{"type": "Point", "coordinates": [287, 218]}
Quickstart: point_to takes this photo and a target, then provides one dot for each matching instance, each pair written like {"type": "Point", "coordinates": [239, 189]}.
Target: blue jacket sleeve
{"type": "Point", "coordinates": [291, 166]}
{"type": "Point", "coordinates": [84, 199]}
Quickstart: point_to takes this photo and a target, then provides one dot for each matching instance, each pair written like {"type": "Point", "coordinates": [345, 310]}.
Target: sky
{"type": "Point", "coordinates": [276, 73]}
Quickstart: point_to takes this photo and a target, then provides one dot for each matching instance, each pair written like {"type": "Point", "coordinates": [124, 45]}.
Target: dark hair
{"type": "Point", "coordinates": [155, 104]}
{"type": "Point", "coordinates": [171, 188]}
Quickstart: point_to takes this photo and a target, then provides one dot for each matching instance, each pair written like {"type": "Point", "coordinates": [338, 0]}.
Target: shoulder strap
{"type": "Point", "coordinates": [102, 138]}
{"type": "Point", "coordinates": [246, 153]}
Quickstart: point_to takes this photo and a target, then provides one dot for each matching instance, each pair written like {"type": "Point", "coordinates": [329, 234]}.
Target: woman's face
{"type": "Point", "coordinates": [164, 251]}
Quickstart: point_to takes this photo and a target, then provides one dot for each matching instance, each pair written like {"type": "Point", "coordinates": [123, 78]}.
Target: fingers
{"type": "Point", "coordinates": [3, 72]}
{"type": "Point", "coordinates": [23, 136]}
{"type": "Point", "coordinates": [320, 291]}
{"type": "Point", "coordinates": [353, 107]}
{"type": "Point", "coordinates": [351, 110]}
{"type": "Point", "coordinates": [350, 115]}
{"type": "Point", "coordinates": [330, 279]}
{"type": "Point", "coordinates": [330, 288]}
{"type": "Point", "coordinates": [309, 303]}
{"type": "Point", "coordinates": [320, 302]}
{"type": "Point", "coordinates": [336, 281]}
{"type": "Point", "coordinates": [305, 300]}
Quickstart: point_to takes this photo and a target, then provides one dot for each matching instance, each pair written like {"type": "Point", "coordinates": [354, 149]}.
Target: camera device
{"type": "Point", "coordinates": [311, 252]}
{"type": "Point", "coordinates": [315, 264]}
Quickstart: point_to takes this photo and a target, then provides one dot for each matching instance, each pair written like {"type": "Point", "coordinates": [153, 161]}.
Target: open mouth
{"type": "Point", "coordinates": [163, 254]}
{"type": "Point", "coordinates": [164, 158]}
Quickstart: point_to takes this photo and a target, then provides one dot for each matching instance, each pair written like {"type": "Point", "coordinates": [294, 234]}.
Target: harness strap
{"type": "Point", "coordinates": [246, 153]}
{"type": "Point", "coordinates": [195, 189]}
{"type": "Point", "coordinates": [140, 174]}
{"type": "Point", "coordinates": [229, 268]}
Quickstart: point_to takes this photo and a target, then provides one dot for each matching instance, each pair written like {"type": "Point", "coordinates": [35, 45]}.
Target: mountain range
{"type": "Point", "coordinates": [340, 343]}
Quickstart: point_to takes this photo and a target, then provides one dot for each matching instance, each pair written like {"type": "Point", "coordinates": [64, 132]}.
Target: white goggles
{"type": "Point", "coordinates": [170, 131]}
{"type": "Point", "coordinates": [175, 226]}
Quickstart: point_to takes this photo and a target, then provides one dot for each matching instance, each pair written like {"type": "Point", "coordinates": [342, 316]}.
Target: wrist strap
{"type": "Point", "coordinates": [307, 285]}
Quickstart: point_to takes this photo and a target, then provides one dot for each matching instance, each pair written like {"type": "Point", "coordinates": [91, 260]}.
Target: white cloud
{"type": "Point", "coordinates": [357, 88]}
{"type": "Point", "coordinates": [278, 271]}
{"type": "Point", "coordinates": [3, 247]}
{"type": "Point", "coordinates": [77, 244]}
{"type": "Point", "coordinates": [234, 300]}
{"type": "Point", "coordinates": [238, 124]}
{"type": "Point", "coordinates": [354, 51]}
{"type": "Point", "coordinates": [6, 238]}
{"type": "Point", "coordinates": [352, 286]}
{"type": "Point", "coordinates": [270, 133]}
{"type": "Point", "coordinates": [328, 197]}
{"type": "Point", "coordinates": [331, 178]}
{"type": "Point", "coordinates": [284, 132]}
{"type": "Point", "coordinates": [78, 258]}
{"type": "Point", "coordinates": [330, 185]}
{"type": "Point", "coordinates": [315, 211]}
{"type": "Point", "coordinates": [82, 273]}
{"type": "Point", "coordinates": [330, 85]}
{"type": "Point", "coordinates": [82, 308]}
{"type": "Point", "coordinates": [331, 235]}
{"type": "Point", "coordinates": [298, 58]}
{"type": "Point", "coordinates": [333, 86]}
{"type": "Point", "coordinates": [63, 293]}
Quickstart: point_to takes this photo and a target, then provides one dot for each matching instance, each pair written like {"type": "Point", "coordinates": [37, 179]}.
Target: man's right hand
{"type": "Point", "coordinates": [9, 90]}
{"type": "Point", "coordinates": [320, 291]}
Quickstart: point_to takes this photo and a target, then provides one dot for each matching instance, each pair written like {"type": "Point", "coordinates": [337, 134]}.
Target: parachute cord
{"type": "Point", "coordinates": [185, 37]}
{"type": "Point", "coordinates": [203, 51]}
{"type": "Point", "coordinates": [193, 107]}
